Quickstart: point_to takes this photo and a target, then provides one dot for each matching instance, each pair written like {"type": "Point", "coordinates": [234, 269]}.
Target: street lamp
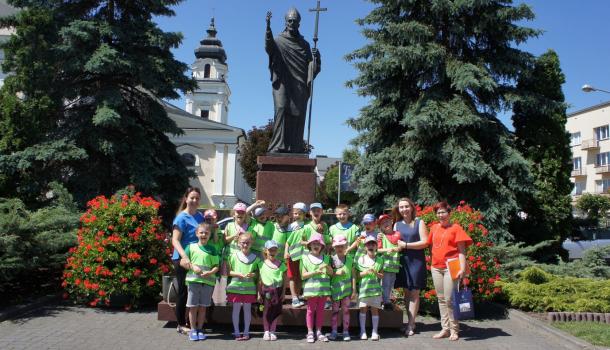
{"type": "Point", "coordinates": [589, 88]}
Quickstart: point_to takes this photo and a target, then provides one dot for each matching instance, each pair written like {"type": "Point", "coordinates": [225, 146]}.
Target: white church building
{"type": "Point", "coordinates": [210, 145]}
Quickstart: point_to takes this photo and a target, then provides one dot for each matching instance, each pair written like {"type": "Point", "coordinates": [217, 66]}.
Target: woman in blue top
{"type": "Point", "coordinates": [413, 241]}
{"type": "Point", "coordinates": [183, 233]}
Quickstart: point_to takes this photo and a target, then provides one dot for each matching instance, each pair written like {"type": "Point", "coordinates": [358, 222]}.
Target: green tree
{"type": "Point", "coordinates": [595, 206]}
{"type": "Point", "coordinates": [257, 143]}
{"type": "Point", "coordinates": [82, 105]}
{"type": "Point", "coordinates": [539, 119]}
{"type": "Point", "coordinates": [436, 74]}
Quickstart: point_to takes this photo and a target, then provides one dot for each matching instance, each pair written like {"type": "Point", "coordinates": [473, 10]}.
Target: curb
{"type": "Point", "coordinates": [575, 342]}
{"type": "Point", "coordinates": [18, 310]}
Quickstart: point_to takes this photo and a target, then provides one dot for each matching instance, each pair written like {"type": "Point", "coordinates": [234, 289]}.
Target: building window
{"type": "Point", "coordinates": [603, 159]}
{"type": "Point", "coordinates": [204, 113]}
{"type": "Point", "coordinates": [579, 188]}
{"type": "Point", "coordinates": [602, 186]}
{"type": "Point", "coordinates": [576, 162]}
{"type": "Point", "coordinates": [575, 139]}
{"type": "Point", "coordinates": [188, 159]}
{"type": "Point", "coordinates": [206, 71]}
{"type": "Point", "coordinates": [601, 133]}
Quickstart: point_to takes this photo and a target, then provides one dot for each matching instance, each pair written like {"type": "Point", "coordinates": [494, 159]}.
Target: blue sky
{"type": "Point", "coordinates": [577, 30]}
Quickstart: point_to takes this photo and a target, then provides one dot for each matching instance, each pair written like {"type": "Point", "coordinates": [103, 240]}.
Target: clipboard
{"type": "Point", "coordinates": [453, 265]}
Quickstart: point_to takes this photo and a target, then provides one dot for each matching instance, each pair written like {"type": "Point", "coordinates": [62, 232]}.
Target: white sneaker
{"type": "Point", "coordinates": [266, 336]}
{"type": "Point", "coordinates": [363, 336]}
{"type": "Point", "coordinates": [272, 337]}
{"type": "Point", "coordinates": [321, 337]}
{"type": "Point", "coordinates": [374, 336]}
{"type": "Point", "coordinates": [310, 338]}
{"type": "Point", "coordinates": [346, 337]}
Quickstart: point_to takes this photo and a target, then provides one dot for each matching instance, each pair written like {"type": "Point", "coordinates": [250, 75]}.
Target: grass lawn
{"type": "Point", "coordinates": [594, 333]}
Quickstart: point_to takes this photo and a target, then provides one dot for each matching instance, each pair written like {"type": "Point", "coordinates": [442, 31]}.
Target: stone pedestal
{"type": "Point", "coordinates": [286, 179]}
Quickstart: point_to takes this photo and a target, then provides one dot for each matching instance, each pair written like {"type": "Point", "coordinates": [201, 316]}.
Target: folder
{"type": "Point", "coordinates": [453, 265]}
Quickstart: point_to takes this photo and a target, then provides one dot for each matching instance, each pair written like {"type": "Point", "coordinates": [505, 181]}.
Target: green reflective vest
{"type": "Point", "coordinates": [350, 231]}
{"type": "Point", "coordinates": [311, 228]}
{"type": "Point", "coordinates": [295, 248]}
{"type": "Point", "coordinates": [230, 230]}
{"type": "Point", "coordinates": [261, 233]}
{"type": "Point", "coordinates": [205, 261]}
{"type": "Point", "coordinates": [317, 285]}
{"type": "Point", "coordinates": [369, 285]}
{"type": "Point", "coordinates": [341, 285]}
{"type": "Point", "coordinates": [391, 261]}
{"type": "Point", "coordinates": [280, 236]}
{"type": "Point", "coordinates": [271, 277]}
{"type": "Point", "coordinates": [238, 285]}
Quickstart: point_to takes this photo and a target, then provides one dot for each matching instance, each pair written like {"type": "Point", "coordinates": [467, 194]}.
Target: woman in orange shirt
{"type": "Point", "coordinates": [447, 241]}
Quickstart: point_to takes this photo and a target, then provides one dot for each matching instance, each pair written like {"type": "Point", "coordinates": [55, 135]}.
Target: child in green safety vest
{"type": "Point", "coordinates": [271, 288]}
{"type": "Point", "coordinates": [242, 289]}
{"type": "Point", "coordinates": [262, 228]}
{"type": "Point", "coordinates": [281, 230]}
{"type": "Point", "coordinates": [216, 239]}
{"type": "Point", "coordinates": [345, 227]}
{"type": "Point", "coordinates": [200, 278]}
{"type": "Point", "coordinates": [369, 223]}
{"type": "Point", "coordinates": [294, 251]}
{"type": "Point", "coordinates": [316, 272]}
{"type": "Point", "coordinates": [391, 261]}
{"type": "Point", "coordinates": [343, 286]}
{"type": "Point", "coordinates": [241, 223]}
{"type": "Point", "coordinates": [370, 268]}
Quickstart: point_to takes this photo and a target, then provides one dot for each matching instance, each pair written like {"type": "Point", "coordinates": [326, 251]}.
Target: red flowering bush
{"type": "Point", "coordinates": [483, 266]}
{"type": "Point", "coordinates": [121, 251]}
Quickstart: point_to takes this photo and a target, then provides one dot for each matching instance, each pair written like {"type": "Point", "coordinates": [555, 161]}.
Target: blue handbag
{"type": "Point", "coordinates": [463, 307]}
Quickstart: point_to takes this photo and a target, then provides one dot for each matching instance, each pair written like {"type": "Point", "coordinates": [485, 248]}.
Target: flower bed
{"type": "Point", "coordinates": [121, 251]}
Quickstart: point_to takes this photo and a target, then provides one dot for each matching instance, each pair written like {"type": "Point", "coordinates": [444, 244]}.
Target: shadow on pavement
{"type": "Point", "coordinates": [469, 333]}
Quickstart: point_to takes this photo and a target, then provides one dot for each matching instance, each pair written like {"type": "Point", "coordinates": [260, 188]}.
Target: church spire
{"type": "Point", "coordinates": [211, 46]}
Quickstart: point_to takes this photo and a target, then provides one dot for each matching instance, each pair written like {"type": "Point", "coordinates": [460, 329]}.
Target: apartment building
{"type": "Point", "coordinates": [590, 143]}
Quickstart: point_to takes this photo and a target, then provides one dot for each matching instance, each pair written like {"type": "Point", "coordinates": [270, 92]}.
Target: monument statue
{"type": "Point", "coordinates": [293, 66]}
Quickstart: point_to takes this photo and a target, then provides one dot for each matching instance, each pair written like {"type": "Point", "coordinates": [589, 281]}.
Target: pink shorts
{"type": "Point", "coordinates": [241, 298]}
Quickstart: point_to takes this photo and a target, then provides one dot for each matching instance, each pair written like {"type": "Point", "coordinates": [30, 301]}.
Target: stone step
{"type": "Point", "coordinates": [221, 314]}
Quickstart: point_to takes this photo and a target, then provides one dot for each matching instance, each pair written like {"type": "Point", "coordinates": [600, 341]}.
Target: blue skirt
{"type": "Point", "coordinates": [412, 273]}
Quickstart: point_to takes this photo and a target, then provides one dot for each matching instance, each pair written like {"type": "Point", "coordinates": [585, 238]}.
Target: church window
{"type": "Point", "coordinates": [206, 71]}
{"type": "Point", "coordinates": [205, 114]}
{"type": "Point", "coordinates": [188, 159]}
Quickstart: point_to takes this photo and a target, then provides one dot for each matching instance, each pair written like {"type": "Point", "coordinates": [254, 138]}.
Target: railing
{"type": "Point", "coordinates": [602, 169]}
{"type": "Point", "coordinates": [589, 144]}
{"type": "Point", "coordinates": [578, 172]}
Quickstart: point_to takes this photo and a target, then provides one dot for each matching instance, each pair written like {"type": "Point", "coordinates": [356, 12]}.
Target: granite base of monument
{"type": "Point", "coordinates": [286, 179]}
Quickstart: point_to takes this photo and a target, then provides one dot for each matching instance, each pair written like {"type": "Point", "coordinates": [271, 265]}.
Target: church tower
{"type": "Point", "coordinates": [210, 100]}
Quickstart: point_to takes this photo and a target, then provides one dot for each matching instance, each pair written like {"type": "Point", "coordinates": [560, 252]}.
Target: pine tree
{"type": "Point", "coordinates": [539, 119]}
{"type": "Point", "coordinates": [82, 105]}
{"type": "Point", "coordinates": [436, 73]}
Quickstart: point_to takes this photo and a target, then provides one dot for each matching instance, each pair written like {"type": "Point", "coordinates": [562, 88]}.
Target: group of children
{"type": "Point", "coordinates": [323, 267]}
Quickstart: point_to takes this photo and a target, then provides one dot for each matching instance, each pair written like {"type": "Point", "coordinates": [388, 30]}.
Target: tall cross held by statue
{"type": "Point", "coordinates": [317, 10]}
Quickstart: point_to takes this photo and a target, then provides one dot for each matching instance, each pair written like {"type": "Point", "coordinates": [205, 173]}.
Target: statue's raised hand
{"type": "Point", "coordinates": [268, 19]}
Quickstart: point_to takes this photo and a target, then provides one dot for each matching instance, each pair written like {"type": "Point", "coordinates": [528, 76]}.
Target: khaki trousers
{"type": "Point", "coordinates": [444, 286]}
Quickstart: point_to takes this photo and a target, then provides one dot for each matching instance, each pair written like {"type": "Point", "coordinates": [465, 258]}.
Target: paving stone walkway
{"type": "Point", "coordinates": [68, 327]}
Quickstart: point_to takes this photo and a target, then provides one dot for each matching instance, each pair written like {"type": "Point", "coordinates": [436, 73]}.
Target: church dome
{"type": "Point", "coordinates": [211, 47]}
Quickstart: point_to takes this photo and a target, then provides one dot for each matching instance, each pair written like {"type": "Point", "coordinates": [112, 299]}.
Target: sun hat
{"type": "Point", "coordinates": [300, 205]}
{"type": "Point", "coordinates": [210, 213]}
{"type": "Point", "coordinates": [259, 211]}
{"type": "Point", "coordinates": [271, 244]}
{"type": "Point", "coordinates": [316, 237]}
{"type": "Point", "coordinates": [315, 205]}
{"type": "Point", "coordinates": [368, 218]}
{"type": "Point", "coordinates": [383, 217]}
{"type": "Point", "coordinates": [281, 211]}
{"type": "Point", "coordinates": [339, 240]}
{"type": "Point", "coordinates": [370, 239]}
{"type": "Point", "coordinates": [239, 207]}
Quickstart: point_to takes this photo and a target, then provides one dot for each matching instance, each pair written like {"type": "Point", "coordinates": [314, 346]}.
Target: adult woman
{"type": "Point", "coordinates": [412, 273]}
{"type": "Point", "coordinates": [449, 241]}
{"type": "Point", "coordinates": [183, 233]}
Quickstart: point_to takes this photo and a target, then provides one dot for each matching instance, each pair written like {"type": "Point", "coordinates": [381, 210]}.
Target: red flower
{"type": "Point", "coordinates": [137, 272]}
{"type": "Point", "coordinates": [466, 281]}
{"type": "Point", "coordinates": [153, 261]}
{"type": "Point", "coordinates": [151, 282]}
{"type": "Point", "coordinates": [124, 280]}
{"type": "Point", "coordinates": [427, 295]}
{"type": "Point", "coordinates": [65, 295]}
{"type": "Point", "coordinates": [101, 293]}
{"type": "Point", "coordinates": [87, 269]}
